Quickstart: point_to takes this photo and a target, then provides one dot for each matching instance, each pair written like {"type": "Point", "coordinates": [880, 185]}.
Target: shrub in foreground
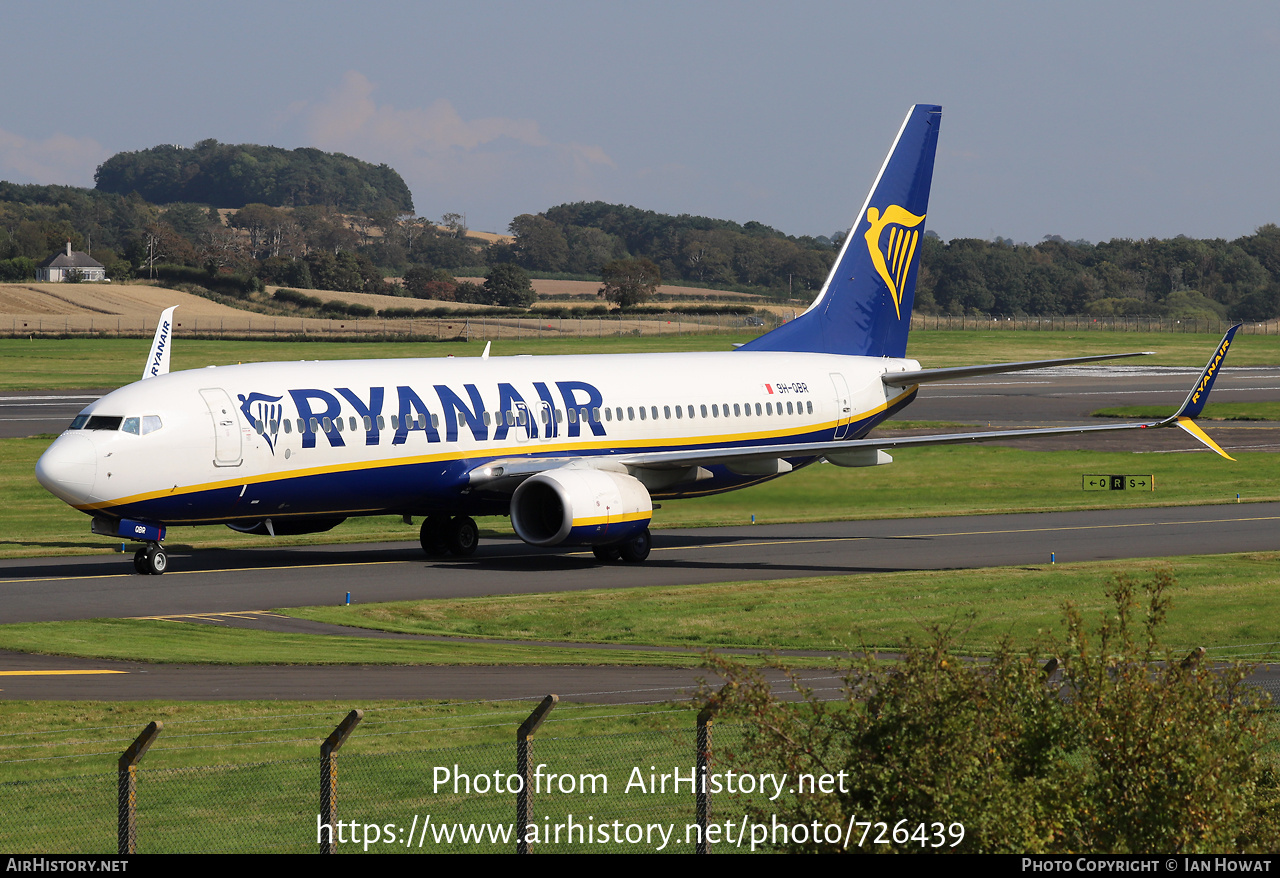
{"type": "Point", "coordinates": [1114, 746]}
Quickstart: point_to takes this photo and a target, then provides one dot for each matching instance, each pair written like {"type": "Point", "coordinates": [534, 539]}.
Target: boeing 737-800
{"type": "Point", "coordinates": [574, 449]}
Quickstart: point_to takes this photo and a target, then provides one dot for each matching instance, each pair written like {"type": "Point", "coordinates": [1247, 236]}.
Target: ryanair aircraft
{"type": "Point", "coordinates": [574, 449]}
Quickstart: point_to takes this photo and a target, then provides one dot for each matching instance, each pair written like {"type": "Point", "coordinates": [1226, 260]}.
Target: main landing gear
{"type": "Point", "coordinates": [633, 551]}
{"type": "Point", "coordinates": [455, 536]}
{"type": "Point", "coordinates": [151, 560]}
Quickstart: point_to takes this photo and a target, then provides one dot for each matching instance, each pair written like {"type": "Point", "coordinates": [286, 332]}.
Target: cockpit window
{"type": "Point", "coordinates": [131, 425]}
{"type": "Point", "coordinates": [150, 423]}
{"type": "Point", "coordinates": [79, 422]}
{"type": "Point", "coordinates": [103, 422]}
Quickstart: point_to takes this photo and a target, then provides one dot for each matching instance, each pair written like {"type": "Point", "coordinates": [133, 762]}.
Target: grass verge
{"type": "Point", "coordinates": [1221, 601]}
{"type": "Point", "coordinates": [63, 364]}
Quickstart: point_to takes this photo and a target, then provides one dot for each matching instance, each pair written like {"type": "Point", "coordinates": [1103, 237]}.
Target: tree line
{"type": "Point", "coordinates": [629, 250]}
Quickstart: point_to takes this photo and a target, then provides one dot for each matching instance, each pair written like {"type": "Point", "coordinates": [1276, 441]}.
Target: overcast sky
{"type": "Point", "coordinates": [1086, 120]}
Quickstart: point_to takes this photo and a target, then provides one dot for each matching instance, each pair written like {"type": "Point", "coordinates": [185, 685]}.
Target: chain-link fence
{"type": "Point", "coordinates": [663, 781]}
{"type": "Point", "coordinates": [476, 327]}
{"type": "Point", "coordinates": [632, 790]}
{"type": "Point", "coordinates": [1088, 323]}
{"type": "Point", "coordinates": [482, 328]}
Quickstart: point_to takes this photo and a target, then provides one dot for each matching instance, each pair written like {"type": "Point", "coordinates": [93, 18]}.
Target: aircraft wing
{"type": "Point", "coordinates": [500, 474]}
{"type": "Point", "coordinates": [924, 376]}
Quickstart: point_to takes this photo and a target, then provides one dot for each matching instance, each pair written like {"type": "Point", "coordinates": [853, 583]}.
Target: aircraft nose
{"type": "Point", "coordinates": [68, 469]}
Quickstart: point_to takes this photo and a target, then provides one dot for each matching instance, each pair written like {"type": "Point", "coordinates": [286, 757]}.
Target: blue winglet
{"type": "Point", "coordinates": [1193, 405]}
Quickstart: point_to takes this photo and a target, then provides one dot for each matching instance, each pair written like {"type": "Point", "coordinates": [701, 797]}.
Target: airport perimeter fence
{"type": "Point", "coordinates": [582, 793]}
{"type": "Point", "coordinates": [1087, 323]}
{"type": "Point", "coordinates": [370, 787]}
{"type": "Point", "coordinates": [482, 328]}
{"type": "Point", "coordinates": [461, 328]}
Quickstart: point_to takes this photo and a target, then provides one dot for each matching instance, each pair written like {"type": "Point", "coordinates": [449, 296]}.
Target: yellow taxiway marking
{"type": "Point", "coordinates": [50, 673]}
{"type": "Point", "coordinates": [209, 617]}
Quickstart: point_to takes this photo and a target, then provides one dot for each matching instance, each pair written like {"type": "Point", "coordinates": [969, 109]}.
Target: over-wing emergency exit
{"type": "Point", "coordinates": [574, 449]}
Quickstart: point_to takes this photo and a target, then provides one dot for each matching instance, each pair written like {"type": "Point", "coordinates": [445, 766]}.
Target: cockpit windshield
{"type": "Point", "coordinates": [138, 426]}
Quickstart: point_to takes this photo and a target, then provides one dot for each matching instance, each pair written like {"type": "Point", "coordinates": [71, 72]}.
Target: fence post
{"type": "Point", "coordinates": [329, 777]}
{"type": "Point", "coordinates": [524, 745]}
{"type": "Point", "coordinates": [127, 790]}
{"type": "Point", "coordinates": [703, 796]}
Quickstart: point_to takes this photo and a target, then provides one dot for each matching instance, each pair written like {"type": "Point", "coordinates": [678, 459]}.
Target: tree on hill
{"type": "Point", "coordinates": [508, 284]}
{"type": "Point", "coordinates": [233, 175]}
{"type": "Point", "coordinates": [630, 282]}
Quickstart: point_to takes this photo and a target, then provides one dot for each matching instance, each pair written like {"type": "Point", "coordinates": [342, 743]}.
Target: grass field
{"type": "Point", "coordinates": [1221, 601]}
{"type": "Point", "coordinates": [63, 364]}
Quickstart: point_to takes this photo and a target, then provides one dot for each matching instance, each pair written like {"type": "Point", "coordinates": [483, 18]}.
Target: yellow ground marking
{"type": "Point", "coordinates": [50, 673]}
{"type": "Point", "coordinates": [210, 617]}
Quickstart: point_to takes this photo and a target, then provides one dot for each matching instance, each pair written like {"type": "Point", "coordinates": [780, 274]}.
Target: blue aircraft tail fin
{"type": "Point", "coordinates": [864, 308]}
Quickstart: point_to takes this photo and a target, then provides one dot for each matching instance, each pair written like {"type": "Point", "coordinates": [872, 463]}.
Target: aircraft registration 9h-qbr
{"type": "Point", "coordinates": [574, 448]}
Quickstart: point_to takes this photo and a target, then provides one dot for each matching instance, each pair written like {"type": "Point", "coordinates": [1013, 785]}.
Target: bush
{"type": "Point", "coordinates": [1131, 752]}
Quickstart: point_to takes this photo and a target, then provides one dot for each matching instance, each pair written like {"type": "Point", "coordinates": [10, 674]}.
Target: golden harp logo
{"type": "Point", "coordinates": [891, 254]}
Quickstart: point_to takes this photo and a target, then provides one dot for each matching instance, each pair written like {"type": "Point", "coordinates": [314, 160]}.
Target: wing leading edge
{"type": "Point", "coordinates": [501, 474]}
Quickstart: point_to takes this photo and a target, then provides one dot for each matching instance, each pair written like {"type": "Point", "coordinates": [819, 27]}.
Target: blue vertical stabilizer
{"type": "Point", "coordinates": [864, 308]}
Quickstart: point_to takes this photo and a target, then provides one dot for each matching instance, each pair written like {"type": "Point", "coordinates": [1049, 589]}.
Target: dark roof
{"type": "Point", "coordinates": [75, 260]}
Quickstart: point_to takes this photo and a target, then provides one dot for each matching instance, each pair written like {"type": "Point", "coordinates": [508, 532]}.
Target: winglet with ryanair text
{"type": "Point", "coordinates": [1193, 405]}
{"type": "Point", "coordinates": [158, 359]}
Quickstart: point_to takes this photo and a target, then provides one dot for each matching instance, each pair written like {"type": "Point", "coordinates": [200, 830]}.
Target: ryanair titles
{"type": "Point", "coordinates": [441, 414]}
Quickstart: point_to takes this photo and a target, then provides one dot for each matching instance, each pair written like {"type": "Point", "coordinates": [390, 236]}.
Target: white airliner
{"type": "Point", "coordinates": [575, 449]}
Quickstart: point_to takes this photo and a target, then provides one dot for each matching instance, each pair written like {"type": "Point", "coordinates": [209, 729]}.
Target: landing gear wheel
{"type": "Point", "coordinates": [150, 560]}
{"type": "Point", "coordinates": [463, 535]}
{"type": "Point", "coordinates": [433, 537]}
{"type": "Point", "coordinates": [607, 554]}
{"type": "Point", "coordinates": [636, 549]}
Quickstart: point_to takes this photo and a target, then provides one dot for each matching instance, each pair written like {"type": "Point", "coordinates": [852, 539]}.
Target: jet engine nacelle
{"type": "Point", "coordinates": [584, 507]}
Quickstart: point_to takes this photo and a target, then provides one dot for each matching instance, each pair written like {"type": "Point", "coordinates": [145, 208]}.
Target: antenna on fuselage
{"type": "Point", "coordinates": [158, 359]}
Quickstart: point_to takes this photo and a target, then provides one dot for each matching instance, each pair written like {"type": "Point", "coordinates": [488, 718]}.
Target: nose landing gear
{"type": "Point", "coordinates": [150, 560]}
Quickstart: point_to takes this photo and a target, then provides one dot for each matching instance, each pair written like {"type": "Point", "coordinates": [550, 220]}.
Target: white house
{"type": "Point", "coordinates": [55, 268]}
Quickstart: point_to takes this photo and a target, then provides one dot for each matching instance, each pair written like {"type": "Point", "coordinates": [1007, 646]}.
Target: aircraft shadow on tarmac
{"type": "Point", "coordinates": [501, 556]}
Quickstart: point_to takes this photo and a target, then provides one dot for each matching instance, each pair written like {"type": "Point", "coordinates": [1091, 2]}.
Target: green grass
{"type": "Point", "coordinates": [1214, 411]}
{"type": "Point", "coordinates": [166, 642]}
{"type": "Point", "coordinates": [65, 364]}
{"type": "Point", "coordinates": [244, 777]}
{"type": "Point", "coordinates": [1221, 601]}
